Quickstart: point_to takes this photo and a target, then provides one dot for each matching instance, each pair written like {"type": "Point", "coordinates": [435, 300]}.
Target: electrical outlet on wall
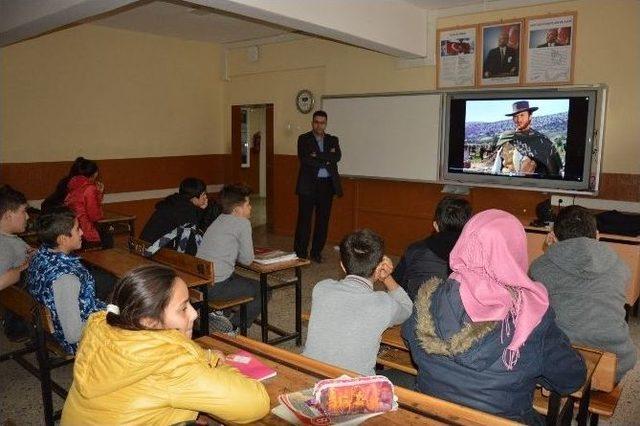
{"type": "Point", "coordinates": [562, 200]}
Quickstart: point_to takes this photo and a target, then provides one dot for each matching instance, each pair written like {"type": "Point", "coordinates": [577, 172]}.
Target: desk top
{"type": "Point", "coordinates": [296, 372]}
{"type": "Point", "coordinates": [275, 267]}
{"type": "Point", "coordinates": [119, 261]}
{"type": "Point", "coordinates": [109, 216]}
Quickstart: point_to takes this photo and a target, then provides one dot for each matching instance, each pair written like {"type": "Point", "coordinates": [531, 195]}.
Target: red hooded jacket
{"type": "Point", "coordinates": [85, 199]}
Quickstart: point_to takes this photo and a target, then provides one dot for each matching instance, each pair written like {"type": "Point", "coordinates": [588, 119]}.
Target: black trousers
{"type": "Point", "coordinates": [238, 286]}
{"type": "Point", "coordinates": [320, 202]}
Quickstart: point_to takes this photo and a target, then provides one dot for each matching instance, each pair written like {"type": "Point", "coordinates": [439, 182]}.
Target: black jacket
{"type": "Point", "coordinates": [176, 210]}
{"type": "Point", "coordinates": [461, 361]}
{"type": "Point", "coordinates": [312, 160]}
{"type": "Point", "coordinates": [424, 260]}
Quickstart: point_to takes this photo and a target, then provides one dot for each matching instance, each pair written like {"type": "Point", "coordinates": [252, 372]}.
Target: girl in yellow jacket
{"type": "Point", "coordinates": [137, 364]}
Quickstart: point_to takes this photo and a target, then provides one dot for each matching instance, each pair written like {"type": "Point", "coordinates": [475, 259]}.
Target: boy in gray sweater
{"type": "Point", "coordinates": [14, 253]}
{"type": "Point", "coordinates": [226, 242]}
{"type": "Point", "coordinates": [349, 316]}
{"type": "Point", "coordinates": [586, 282]}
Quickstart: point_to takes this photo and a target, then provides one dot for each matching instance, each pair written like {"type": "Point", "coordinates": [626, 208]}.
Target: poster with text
{"type": "Point", "coordinates": [550, 47]}
{"type": "Point", "coordinates": [501, 54]}
{"type": "Point", "coordinates": [456, 57]}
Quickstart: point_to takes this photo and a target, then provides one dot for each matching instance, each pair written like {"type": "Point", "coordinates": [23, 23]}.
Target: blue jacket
{"type": "Point", "coordinates": [461, 361]}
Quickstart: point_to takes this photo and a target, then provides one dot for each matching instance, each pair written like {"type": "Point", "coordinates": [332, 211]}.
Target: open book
{"type": "Point", "coordinates": [249, 365]}
{"type": "Point", "coordinates": [267, 256]}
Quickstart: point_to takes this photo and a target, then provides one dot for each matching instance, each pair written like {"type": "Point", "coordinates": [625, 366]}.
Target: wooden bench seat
{"type": "Point", "coordinates": [18, 301]}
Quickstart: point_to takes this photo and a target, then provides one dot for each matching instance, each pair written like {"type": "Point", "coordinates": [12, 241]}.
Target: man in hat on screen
{"type": "Point", "coordinates": [525, 151]}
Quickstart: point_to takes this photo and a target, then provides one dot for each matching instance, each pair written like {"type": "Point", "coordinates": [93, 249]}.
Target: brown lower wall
{"type": "Point", "coordinates": [402, 212]}
{"type": "Point", "coordinates": [37, 180]}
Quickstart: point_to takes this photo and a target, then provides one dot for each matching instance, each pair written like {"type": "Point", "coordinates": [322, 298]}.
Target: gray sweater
{"type": "Point", "coordinates": [13, 251]}
{"type": "Point", "coordinates": [586, 281]}
{"type": "Point", "coordinates": [227, 241]}
{"type": "Point", "coordinates": [347, 321]}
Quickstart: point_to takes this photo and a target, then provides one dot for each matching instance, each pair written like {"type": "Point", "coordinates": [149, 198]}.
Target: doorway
{"type": "Point", "coordinates": [252, 157]}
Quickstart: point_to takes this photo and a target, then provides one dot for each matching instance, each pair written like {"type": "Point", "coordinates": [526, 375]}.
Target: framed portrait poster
{"type": "Point", "coordinates": [550, 43]}
{"type": "Point", "coordinates": [499, 62]}
{"type": "Point", "coordinates": [456, 57]}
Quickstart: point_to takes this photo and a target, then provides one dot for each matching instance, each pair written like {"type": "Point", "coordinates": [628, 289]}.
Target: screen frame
{"type": "Point", "coordinates": [593, 142]}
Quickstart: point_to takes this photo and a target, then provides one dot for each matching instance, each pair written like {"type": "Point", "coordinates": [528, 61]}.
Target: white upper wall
{"type": "Point", "coordinates": [393, 27]}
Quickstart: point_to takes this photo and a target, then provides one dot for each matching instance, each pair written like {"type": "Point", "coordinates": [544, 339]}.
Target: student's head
{"type": "Point", "coordinates": [234, 200]}
{"type": "Point", "coordinates": [575, 222]}
{"type": "Point", "coordinates": [452, 214]}
{"type": "Point", "coordinates": [13, 210]}
{"type": "Point", "coordinates": [361, 252]}
{"type": "Point", "coordinates": [196, 190]}
{"type": "Point", "coordinates": [59, 230]}
{"type": "Point", "coordinates": [84, 167]}
{"type": "Point", "coordinates": [152, 298]}
{"type": "Point", "coordinates": [319, 122]}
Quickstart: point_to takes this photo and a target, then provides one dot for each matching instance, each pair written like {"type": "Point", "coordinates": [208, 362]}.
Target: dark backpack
{"type": "Point", "coordinates": [615, 222]}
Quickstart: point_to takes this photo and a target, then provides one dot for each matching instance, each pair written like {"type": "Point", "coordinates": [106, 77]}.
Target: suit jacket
{"type": "Point", "coordinates": [498, 68]}
{"type": "Point", "coordinates": [312, 160]}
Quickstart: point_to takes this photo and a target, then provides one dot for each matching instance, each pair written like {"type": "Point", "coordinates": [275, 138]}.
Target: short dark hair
{"type": "Point", "coordinates": [10, 200]}
{"type": "Point", "coordinates": [361, 252]}
{"type": "Point", "coordinates": [192, 187]}
{"type": "Point", "coordinates": [233, 195]}
{"type": "Point", "coordinates": [574, 222]}
{"type": "Point", "coordinates": [319, 113]}
{"type": "Point", "coordinates": [83, 167]}
{"type": "Point", "coordinates": [58, 222]}
{"type": "Point", "coordinates": [452, 214]}
{"type": "Point", "coordinates": [144, 292]}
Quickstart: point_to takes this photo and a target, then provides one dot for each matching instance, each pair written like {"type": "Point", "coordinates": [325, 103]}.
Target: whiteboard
{"type": "Point", "coordinates": [387, 136]}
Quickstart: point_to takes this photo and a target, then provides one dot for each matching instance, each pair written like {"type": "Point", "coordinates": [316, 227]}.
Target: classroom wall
{"type": "Point", "coordinates": [116, 96]}
{"type": "Point", "coordinates": [401, 210]}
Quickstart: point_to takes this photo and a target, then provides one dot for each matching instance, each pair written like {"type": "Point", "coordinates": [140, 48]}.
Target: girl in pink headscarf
{"type": "Point", "coordinates": [486, 336]}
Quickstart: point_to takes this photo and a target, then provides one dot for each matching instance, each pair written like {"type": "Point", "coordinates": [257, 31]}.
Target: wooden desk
{"type": "Point", "coordinates": [296, 372]}
{"type": "Point", "coordinates": [119, 261]}
{"type": "Point", "coordinates": [117, 223]}
{"type": "Point", "coordinates": [628, 248]}
{"type": "Point", "coordinates": [265, 289]}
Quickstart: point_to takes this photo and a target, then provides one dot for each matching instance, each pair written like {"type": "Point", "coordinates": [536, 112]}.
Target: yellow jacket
{"type": "Point", "coordinates": [154, 378]}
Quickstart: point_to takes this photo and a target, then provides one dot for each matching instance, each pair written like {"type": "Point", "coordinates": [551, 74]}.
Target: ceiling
{"type": "Point", "coordinates": [191, 22]}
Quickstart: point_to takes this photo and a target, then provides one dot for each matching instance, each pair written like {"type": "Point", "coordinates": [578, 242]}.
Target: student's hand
{"type": "Point", "coordinates": [528, 165]}
{"type": "Point", "coordinates": [383, 270]}
{"type": "Point", "coordinates": [24, 265]}
{"type": "Point", "coordinates": [313, 154]}
{"type": "Point", "coordinates": [549, 240]}
{"type": "Point", "coordinates": [100, 186]}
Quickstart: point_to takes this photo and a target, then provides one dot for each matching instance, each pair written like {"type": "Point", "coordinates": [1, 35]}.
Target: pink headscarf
{"type": "Point", "coordinates": [490, 262]}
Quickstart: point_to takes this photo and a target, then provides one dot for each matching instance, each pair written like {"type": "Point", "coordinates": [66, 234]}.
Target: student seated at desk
{"type": "Point", "coordinates": [59, 281]}
{"type": "Point", "coordinates": [84, 197]}
{"type": "Point", "coordinates": [429, 258]}
{"type": "Point", "coordinates": [229, 241]}
{"type": "Point", "coordinates": [486, 336]}
{"type": "Point", "coordinates": [14, 253]}
{"type": "Point", "coordinates": [56, 198]}
{"type": "Point", "coordinates": [137, 364]}
{"type": "Point", "coordinates": [349, 316]}
{"type": "Point", "coordinates": [586, 282]}
{"type": "Point", "coordinates": [180, 219]}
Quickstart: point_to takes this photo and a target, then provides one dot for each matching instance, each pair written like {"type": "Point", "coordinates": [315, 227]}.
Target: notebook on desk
{"type": "Point", "coordinates": [249, 365]}
{"type": "Point", "coordinates": [268, 256]}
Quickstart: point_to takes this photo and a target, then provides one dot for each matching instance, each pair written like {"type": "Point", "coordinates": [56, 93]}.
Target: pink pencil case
{"type": "Point", "coordinates": [360, 395]}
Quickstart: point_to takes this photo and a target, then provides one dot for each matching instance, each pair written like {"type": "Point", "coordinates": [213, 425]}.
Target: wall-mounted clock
{"type": "Point", "coordinates": [305, 101]}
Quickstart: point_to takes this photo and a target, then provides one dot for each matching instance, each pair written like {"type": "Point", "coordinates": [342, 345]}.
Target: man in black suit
{"type": "Point", "coordinates": [502, 61]}
{"type": "Point", "coordinates": [318, 182]}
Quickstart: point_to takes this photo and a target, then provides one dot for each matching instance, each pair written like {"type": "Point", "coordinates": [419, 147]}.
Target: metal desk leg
{"type": "Point", "coordinates": [264, 294]}
{"type": "Point", "coordinates": [204, 310]}
{"type": "Point", "coordinates": [298, 306]}
{"type": "Point", "coordinates": [583, 408]}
